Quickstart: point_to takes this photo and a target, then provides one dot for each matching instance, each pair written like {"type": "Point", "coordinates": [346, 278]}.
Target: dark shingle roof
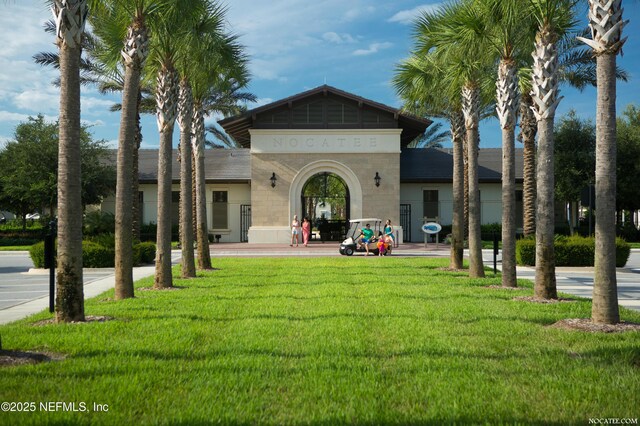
{"type": "Point", "coordinates": [238, 126]}
{"type": "Point", "coordinates": [221, 165]}
{"type": "Point", "coordinates": [416, 165]}
{"type": "Point", "coordinates": [436, 165]}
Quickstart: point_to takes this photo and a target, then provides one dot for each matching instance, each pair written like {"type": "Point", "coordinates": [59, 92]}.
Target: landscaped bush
{"type": "Point", "coordinates": [98, 222]}
{"type": "Point", "coordinates": [37, 254]}
{"type": "Point", "coordinates": [570, 251]}
{"type": "Point", "coordinates": [526, 251]}
{"type": "Point", "coordinates": [144, 253]}
{"type": "Point", "coordinates": [148, 232]}
{"type": "Point", "coordinates": [96, 255]}
{"type": "Point", "coordinates": [18, 237]}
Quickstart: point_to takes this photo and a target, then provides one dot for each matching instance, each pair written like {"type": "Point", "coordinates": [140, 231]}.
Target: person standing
{"type": "Point", "coordinates": [295, 230]}
{"type": "Point", "coordinates": [388, 231]}
{"type": "Point", "coordinates": [306, 231]}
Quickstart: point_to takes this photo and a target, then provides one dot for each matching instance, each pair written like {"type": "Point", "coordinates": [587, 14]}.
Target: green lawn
{"type": "Point", "coordinates": [327, 341]}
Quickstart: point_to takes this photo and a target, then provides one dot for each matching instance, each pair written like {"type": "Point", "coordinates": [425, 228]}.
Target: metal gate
{"type": "Point", "coordinates": [405, 222]}
{"type": "Point", "coordinates": [245, 222]}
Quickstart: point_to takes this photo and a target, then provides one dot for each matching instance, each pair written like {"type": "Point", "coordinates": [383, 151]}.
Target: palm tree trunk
{"type": "Point", "coordinates": [471, 101]}
{"type": "Point", "coordinates": [507, 107]}
{"type": "Point", "coordinates": [135, 183]}
{"type": "Point", "coordinates": [166, 94]}
{"type": "Point", "coordinates": [457, 231]}
{"type": "Point", "coordinates": [69, 293]}
{"type": "Point", "coordinates": [124, 185]}
{"type": "Point", "coordinates": [606, 26]}
{"type": "Point", "coordinates": [204, 256]}
{"type": "Point", "coordinates": [465, 167]}
{"type": "Point", "coordinates": [185, 111]}
{"type": "Point", "coordinates": [124, 214]}
{"type": "Point", "coordinates": [545, 96]}
{"type": "Point", "coordinates": [545, 283]}
{"type": "Point", "coordinates": [529, 128]}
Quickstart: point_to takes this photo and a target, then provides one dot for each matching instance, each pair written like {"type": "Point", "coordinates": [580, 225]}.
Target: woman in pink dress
{"type": "Point", "coordinates": [306, 231]}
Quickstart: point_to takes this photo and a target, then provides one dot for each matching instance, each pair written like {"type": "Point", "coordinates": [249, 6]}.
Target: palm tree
{"type": "Point", "coordinates": [70, 17]}
{"type": "Point", "coordinates": [185, 116]}
{"type": "Point", "coordinates": [433, 137]}
{"type": "Point", "coordinates": [577, 68]}
{"type": "Point", "coordinates": [500, 28]}
{"type": "Point", "coordinates": [171, 31]}
{"type": "Point", "coordinates": [606, 24]}
{"type": "Point", "coordinates": [554, 17]}
{"type": "Point", "coordinates": [419, 82]}
{"type": "Point", "coordinates": [127, 52]}
{"type": "Point", "coordinates": [216, 89]}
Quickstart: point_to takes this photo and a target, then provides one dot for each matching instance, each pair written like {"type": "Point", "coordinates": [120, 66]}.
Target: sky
{"type": "Point", "coordinates": [293, 45]}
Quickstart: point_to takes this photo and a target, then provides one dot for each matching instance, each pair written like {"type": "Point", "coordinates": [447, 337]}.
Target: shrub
{"type": "Point", "coordinates": [526, 251]}
{"type": "Point", "coordinates": [97, 256]}
{"type": "Point", "coordinates": [144, 253]}
{"type": "Point", "coordinates": [37, 254]}
{"type": "Point", "coordinates": [98, 222]}
{"type": "Point", "coordinates": [570, 251]}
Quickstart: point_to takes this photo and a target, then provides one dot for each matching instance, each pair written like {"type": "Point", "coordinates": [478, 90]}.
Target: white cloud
{"type": "Point", "coordinates": [406, 17]}
{"type": "Point", "coordinates": [373, 48]}
{"type": "Point", "coordinates": [333, 37]}
{"type": "Point", "coordinates": [12, 117]}
{"type": "Point", "coordinates": [37, 100]}
{"type": "Point", "coordinates": [355, 13]}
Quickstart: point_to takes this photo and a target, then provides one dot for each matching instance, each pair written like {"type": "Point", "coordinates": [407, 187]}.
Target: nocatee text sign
{"type": "Point", "coordinates": [325, 141]}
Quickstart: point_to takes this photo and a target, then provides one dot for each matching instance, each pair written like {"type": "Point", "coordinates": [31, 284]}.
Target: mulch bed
{"type": "Point", "coordinates": [499, 287]}
{"type": "Point", "coordinates": [160, 289]}
{"type": "Point", "coordinates": [13, 358]}
{"type": "Point", "coordinates": [87, 318]}
{"type": "Point", "coordinates": [533, 299]}
{"type": "Point", "coordinates": [585, 324]}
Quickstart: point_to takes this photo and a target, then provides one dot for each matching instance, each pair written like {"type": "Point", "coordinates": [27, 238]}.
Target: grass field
{"type": "Point", "coordinates": [326, 341]}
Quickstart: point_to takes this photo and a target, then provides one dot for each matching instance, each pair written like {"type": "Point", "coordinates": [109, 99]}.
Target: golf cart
{"type": "Point", "coordinates": [351, 244]}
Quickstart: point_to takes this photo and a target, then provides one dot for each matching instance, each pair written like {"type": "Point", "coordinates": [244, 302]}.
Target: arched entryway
{"type": "Point", "coordinates": [325, 202]}
{"type": "Point", "coordinates": [337, 174]}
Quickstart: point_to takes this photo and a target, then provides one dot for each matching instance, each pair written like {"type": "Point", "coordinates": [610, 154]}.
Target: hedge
{"type": "Point", "coordinates": [95, 255]}
{"type": "Point", "coordinates": [570, 251]}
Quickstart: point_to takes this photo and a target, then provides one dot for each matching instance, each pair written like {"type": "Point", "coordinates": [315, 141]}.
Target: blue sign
{"type": "Point", "coordinates": [431, 228]}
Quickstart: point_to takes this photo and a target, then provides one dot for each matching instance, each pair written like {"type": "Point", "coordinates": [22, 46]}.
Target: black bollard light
{"type": "Point", "coordinates": [49, 262]}
{"type": "Point", "coordinates": [495, 253]}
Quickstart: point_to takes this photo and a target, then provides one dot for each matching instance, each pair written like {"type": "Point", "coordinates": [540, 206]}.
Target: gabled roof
{"type": "Point", "coordinates": [419, 165]}
{"type": "Point", "coordinates": [239, 125]}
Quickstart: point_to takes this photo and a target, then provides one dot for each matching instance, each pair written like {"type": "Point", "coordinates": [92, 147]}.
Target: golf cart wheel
{"type": "Point", "coordinates": [348, 251]}
{"type": "Point", "coordinates": [341, 250]}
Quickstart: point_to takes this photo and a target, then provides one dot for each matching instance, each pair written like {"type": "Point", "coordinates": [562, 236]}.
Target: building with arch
{"type": "Point", "coordinates": [253, 192]}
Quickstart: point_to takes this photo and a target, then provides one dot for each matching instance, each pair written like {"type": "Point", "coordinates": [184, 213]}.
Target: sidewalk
{"type": "Point", "coordinates": [576, 281]}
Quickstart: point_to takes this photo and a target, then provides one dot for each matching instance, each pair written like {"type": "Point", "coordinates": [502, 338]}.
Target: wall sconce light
{"type": "Point", "coordinates": [377, 179]}
{"type": "Point", "coordinates": [273, 180]}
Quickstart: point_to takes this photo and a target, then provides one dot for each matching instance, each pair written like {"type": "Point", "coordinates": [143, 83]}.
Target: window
{"type": "Point", "coordinates": [219, 213]}
{"type": "Point", "coordinates": [431, 208]}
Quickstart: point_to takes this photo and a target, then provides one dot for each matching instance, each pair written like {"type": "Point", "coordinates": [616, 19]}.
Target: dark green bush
{"type": "Point", "coordinates": [570, 251]}
{"type": "Point", "coordinates": [144, 253]}
{"type": "Point", "coordinates": [98, 222]}
{"type": "Point", "coordinates": [526, 251]}
{"type": "Point", "coordinates": [96, 256]}
{"type": "Point", "coordinates": [37, 254]}
{"type": "Point", "coordinates": [148, 232]}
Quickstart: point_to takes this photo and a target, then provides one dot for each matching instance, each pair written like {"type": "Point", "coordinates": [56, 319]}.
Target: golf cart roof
{"type": "Point", "coordinates": [370, 219]}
